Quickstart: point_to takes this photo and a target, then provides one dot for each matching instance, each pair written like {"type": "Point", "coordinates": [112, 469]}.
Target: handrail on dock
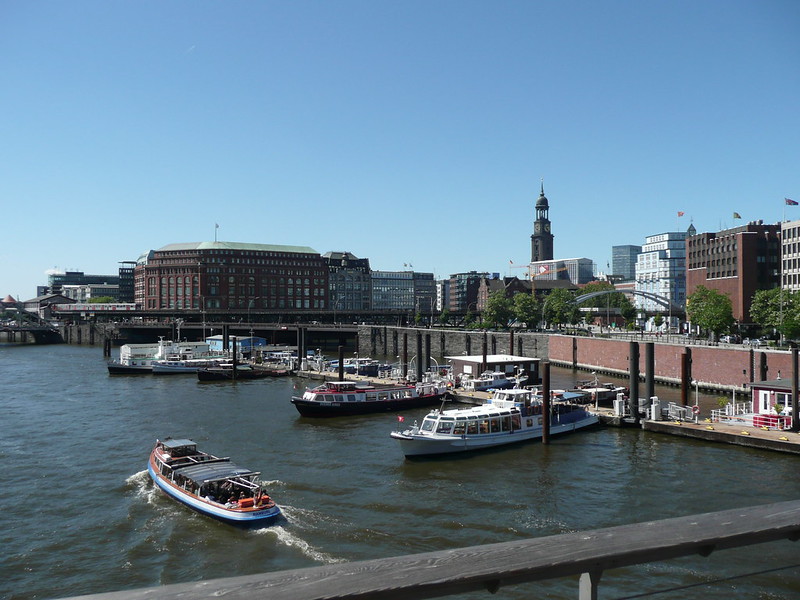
{"type": "Point", "coordinates": [491, 566]}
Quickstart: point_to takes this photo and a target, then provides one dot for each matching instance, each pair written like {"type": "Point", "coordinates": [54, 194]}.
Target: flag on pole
{"type": "Point", "coordinates": [216, 225]}
{"type": "Point", "coordinates": [511, 262]}
{"type": "Point", "coordinates": [401, 418]}
{"type": "Point", "coordinates": [790, 202]}
{"type": "Point", "coordinates": [680, 213]}
{"type": "Point", "coordinates": [737, 215]}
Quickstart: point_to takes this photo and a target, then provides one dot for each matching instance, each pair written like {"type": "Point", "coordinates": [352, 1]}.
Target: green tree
{"type": "Point", "coordinates": [779, 310]}
{"type": "Point", "coordinates": [101, 300]}
{"type": "Point", "coordinates": [498, 310]}
{"type": "Point", "coordinates": [444, 316]}
{"type": "Point", "coordinates": [560, 308]}
{"type": "Point", "coordinates": [710, 310]}
{"type": "Point", "coordinates": [527, 309]}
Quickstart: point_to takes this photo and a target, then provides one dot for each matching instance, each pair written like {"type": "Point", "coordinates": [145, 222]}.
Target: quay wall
{"type": "Point", "coordinates": [714, 367]}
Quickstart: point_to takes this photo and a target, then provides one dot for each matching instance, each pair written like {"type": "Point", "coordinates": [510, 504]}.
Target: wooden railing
{"type": "Point", "coordinates": [489, 567]}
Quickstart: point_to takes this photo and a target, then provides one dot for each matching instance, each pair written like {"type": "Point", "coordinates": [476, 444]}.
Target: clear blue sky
{"type": "Point", "coordinates": [409, 132]}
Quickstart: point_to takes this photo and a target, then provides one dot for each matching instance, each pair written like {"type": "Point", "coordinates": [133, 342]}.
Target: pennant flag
{"type": "Point", "coordinates": [737, 215]}
{"type": "Point", "coordinates": [216, 225]}
{"type": "Point", "coordinates": [511, 262]}
{"type": "Point", "coordinates": [680, 213]}
{"type": "Point", "coordinates": [790, 202]}
{"type": "Point", "coordinates": [401, 418]}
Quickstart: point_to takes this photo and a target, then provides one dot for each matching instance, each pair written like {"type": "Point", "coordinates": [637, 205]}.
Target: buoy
{"type": "Point", "coordinates": [696, 410]}
{"type": "Point", "coordinates": [710, 427]}
{"type": "Point", "coordinates": [745, 433]}
{"type": "Point", "coordinates": [765, 428]}
{"type": "Point", "coordinates": [784, 438]}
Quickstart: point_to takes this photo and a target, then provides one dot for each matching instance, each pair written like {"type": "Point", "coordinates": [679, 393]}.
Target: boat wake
{"type": "Point", "coordinates": [140, 482]}
{"type": "Point", "coordinates": [289, 539]}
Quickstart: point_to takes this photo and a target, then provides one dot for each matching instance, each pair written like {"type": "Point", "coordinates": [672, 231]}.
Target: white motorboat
{"type": "Point", "coordinates": [509, 417]}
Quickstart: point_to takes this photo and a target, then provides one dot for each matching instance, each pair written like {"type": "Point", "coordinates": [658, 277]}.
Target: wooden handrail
{"type": "Point", "coordinates": [488, 567]}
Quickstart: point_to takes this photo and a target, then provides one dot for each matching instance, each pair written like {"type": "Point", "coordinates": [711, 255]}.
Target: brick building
{"type": "Point", "coordinates": [736, 262]}
{"type": "Point", "coordinates": [231, 275]}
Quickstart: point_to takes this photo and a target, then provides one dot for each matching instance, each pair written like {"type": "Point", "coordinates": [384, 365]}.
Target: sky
{"type": "Point", "coordinates": [410, 133]}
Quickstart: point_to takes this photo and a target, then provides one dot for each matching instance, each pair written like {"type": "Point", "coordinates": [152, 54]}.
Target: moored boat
{"type": "Point", "coordinates": [510, 416]}
{"type": "Point", "coordinates": [345, 398]}
{"type": "Point", "coordinates": [488, 380]}
{"type": "Point", "coordinates": [139, 358]}
{"type": "Point", "coordinates": [236, 372]}
{"type": "Point", "coordinates": [187, 365]}
{"type": "Point", "coordinates": [211, 485]}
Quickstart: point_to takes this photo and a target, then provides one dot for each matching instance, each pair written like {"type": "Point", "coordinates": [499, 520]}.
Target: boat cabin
{"type": "Point", "coordinates": [524, 367]}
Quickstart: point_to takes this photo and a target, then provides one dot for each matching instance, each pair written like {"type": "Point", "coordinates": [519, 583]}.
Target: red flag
{"type": "Point", "coordinates": [790, 202]}
{"type": "Point", "coordinates": [680, 213]}
{"type": "Point", "coordinates": [401, 418]}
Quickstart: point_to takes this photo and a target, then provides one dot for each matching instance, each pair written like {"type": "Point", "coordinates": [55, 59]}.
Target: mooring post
{"type": "Point", "coordinates": [633, 400]}
{"type": "Point", "coordinates": [341, 363]}
{"type": "Point", "coordinates": [546, 402]}
{"type": "Point", "coordinates": [511, 342]}
{"type": "Point", "coordinates": [427, 351]}
{"type": "Point", "coordinates": [649, 370]}
{"type": "Point", "coordinates": [483, 352]}
{"type": "Point", "coordinates": [419, 356]}
{"type": "Point", "coordinates": [405, 355]}
{"type": "Point", "coordinates": [795, 408]}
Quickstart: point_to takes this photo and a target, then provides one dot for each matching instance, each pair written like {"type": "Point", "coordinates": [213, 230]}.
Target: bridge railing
{"type": "Point", "coordinates": [489, 567]}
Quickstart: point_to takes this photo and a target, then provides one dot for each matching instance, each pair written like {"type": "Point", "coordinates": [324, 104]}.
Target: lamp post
{"type": "Point", "coordinates": [696, 407]}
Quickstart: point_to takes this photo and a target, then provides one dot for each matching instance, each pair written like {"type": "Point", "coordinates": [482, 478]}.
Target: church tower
{"type": "Point", "coordinates": [542, 239]}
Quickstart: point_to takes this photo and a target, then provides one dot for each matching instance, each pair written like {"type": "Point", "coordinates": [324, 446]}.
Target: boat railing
{"type": "Point", "coordinates": [586, 554]}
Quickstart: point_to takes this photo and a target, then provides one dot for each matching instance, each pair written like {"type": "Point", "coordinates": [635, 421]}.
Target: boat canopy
{"type": "Point", "coordinates": [170, 444]}
{"type": "Point", "coordinates": [216, 471]}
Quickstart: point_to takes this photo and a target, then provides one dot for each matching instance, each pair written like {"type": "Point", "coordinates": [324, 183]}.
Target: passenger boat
{"type": "Point", "coordinates": [489, 380]}
{"type": "Point", "coordinates": [139, 358]}
{"type": "Point", "coordinates": [210, 485]}
{"type": "Point", "coordinates": [234, 372]}
{"type": "Point", "coordinates": [172, 366]}
{"type": "Point", "coordinates": [345, 398]}
{"type": "Point", "coordinates": [510, 416]}
{"type": "Point", "coordinates": [600, 392]}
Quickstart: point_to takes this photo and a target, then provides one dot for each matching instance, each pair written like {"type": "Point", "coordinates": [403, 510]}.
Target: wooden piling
{"type": "Point", "coordinates": [546, 401]}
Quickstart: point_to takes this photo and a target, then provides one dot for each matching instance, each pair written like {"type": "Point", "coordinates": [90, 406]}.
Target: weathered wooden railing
{"type": "Point", "coordinates": [488, 567]}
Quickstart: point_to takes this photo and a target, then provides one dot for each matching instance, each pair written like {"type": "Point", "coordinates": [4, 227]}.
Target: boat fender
{"type": "Point", "coordinates": [696, 410]}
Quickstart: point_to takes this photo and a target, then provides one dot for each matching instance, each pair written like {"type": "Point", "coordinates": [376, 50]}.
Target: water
{"type": "Point", "coordinates": [78, 514]}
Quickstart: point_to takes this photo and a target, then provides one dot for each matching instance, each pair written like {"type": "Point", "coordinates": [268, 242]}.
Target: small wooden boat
{"type": "Point", "coordinates": [210, 485]}
{"type": "Point", "coordinates": [510, 416]}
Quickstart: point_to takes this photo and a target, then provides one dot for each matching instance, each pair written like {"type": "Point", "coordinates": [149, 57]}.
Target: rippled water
{"type": "Point", "coordinates": [79, 515]}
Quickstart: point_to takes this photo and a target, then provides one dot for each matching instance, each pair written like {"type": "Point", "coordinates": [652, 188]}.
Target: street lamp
{"type": "Point", "coordinates": [696, 407]}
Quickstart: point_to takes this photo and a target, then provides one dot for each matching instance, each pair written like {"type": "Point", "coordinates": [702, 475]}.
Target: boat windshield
{"type": "Point", "coordinates": [427, 424]}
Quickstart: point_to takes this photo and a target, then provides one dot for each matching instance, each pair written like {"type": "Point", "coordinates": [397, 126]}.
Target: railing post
{"type": "Point", "coordinates": [587, 586]}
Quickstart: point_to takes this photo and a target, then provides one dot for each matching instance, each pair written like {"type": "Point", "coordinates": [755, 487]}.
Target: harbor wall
{"type": "Point", "coordinates": [713, 366]}
{"type": "Point", "coordinates": [389, 341]}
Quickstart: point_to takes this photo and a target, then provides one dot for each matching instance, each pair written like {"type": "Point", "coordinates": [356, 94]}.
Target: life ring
{"type": "Point", "coordinates": [696, 410]}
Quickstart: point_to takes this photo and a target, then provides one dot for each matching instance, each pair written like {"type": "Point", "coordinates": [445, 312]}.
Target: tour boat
{"type": "Point", "coordinates": [172, 366]}
{"type": "Point", "coordinates": [210, 485]}
{"type": "Point", "coordinates": [489, 380]}
{"type": "Point", "coordinates": [510, 416]}
{"type": "Point", "coordinates": [139, 358]}
{"type": "Point", "coordinates": [344, 398]}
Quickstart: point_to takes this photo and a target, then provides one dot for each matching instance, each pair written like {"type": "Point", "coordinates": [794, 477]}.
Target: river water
{"type": "Point", "coordinates": [78, 514]}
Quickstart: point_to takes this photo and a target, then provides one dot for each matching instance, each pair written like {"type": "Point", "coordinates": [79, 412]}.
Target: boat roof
{"type": "Point", "coordinates": [213, 471]}
{"type": "Point", "coordinates": [493, 358]}
{"type": "Point", "coordinates": [179, 443]}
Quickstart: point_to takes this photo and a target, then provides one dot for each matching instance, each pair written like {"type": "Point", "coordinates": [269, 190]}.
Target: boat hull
{"type": "Point", "coordinates": [227, 375]}
{"type": "Point", "coordinates": [432, 445]}
{"type": "Point", "coordinates": [251, 518]}
{"type": "Point", "coordinates": [315, 408]}
{"type": "Point", "coordinates": [115, 368]}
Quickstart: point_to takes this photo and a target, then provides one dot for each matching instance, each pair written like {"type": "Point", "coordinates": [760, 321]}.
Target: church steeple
{"type": "Point", "coordinates": [542, 239]}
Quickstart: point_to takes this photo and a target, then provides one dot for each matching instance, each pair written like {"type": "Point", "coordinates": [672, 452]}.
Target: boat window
{"type": "Point", "coordinates": [461, 426]}
{"type": "Point", "coordinates": [351, 397]}
{"type": "Point", "coordinates": [516, 422]}
{"type": "Point", "coordinates": [495, 424]}
{"type": "Point", "coordinates": [472, 427]}
{"type": "Point", "coordinates": [506, 423]}
{"type": "Point", "coordinates": [339, 398]}
{"type": "Point", "coordinates": [484, 426]}
{"type": "Point", "coordinates": [383, 395]}
{"type": "Point", "coordinates": [427, 424]}
{"type": "Point", "coordinates": [445, 426]}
